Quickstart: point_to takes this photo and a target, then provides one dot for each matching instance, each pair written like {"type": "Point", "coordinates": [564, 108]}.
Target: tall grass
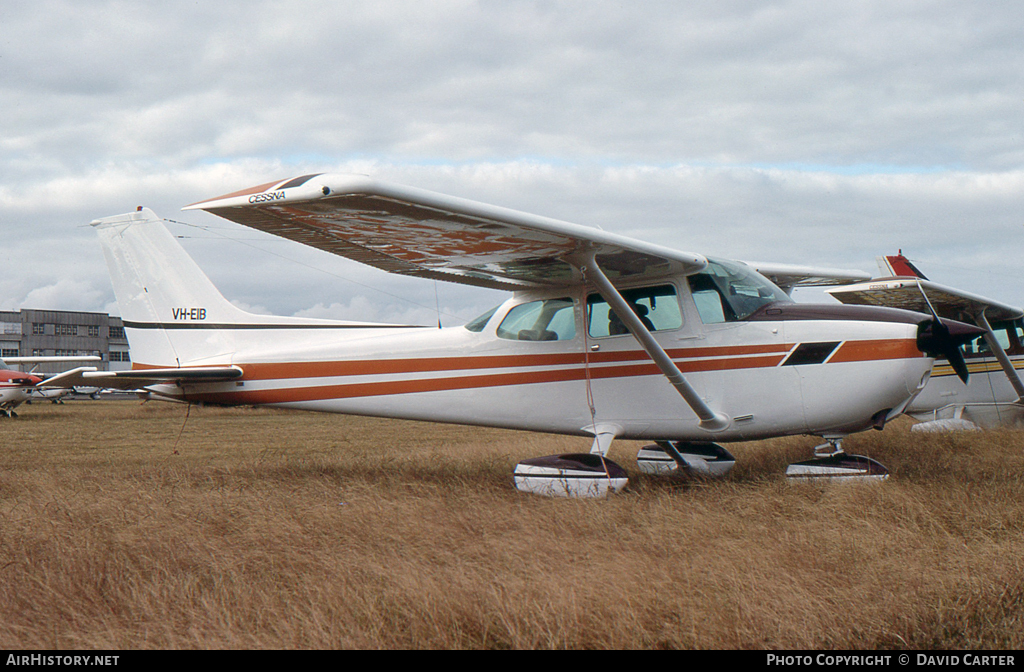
{"type": "Point", "coordinates": [263, 528]}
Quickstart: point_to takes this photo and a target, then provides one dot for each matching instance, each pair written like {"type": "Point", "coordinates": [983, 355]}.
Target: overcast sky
{"type": "Point", "coordinates": [797, 132]}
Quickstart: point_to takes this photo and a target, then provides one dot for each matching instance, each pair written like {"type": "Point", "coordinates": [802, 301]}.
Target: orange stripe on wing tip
{"type": "Point", "coordinates": [258, 189]}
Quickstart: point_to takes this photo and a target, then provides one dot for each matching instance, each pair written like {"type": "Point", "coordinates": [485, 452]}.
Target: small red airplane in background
{"type": "Point", "coordinates": [17, 387]}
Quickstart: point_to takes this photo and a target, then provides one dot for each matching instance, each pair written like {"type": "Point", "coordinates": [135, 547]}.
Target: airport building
{"type": "Point", "coordinates": [49, 333]}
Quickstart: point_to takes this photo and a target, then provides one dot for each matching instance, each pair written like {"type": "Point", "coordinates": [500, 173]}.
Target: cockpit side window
{"type": "Point", "coordinates": [546, 320]}
{"type": "Point", "coordinates": [657, 307]}
{"type": "Point", "coordinates": [1008, 335]}
{"type": "Point", "coordinates": [728, 292]}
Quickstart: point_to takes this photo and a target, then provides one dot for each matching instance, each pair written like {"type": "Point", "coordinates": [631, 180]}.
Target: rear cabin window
{"type": "Point", "coordinates": [547, 320]}
{"type": "Point", "coordinates": [657, 307]}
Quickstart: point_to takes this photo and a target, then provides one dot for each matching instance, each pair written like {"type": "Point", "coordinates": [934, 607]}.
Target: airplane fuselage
{"type": "Point", "coordinates": [833, 374]}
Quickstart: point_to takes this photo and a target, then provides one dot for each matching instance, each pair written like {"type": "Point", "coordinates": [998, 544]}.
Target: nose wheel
{"type": "Point", "coordinates": [831, 463]}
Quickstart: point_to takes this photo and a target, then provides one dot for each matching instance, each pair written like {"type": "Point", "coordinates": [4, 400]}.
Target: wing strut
{"type": "Point", "coordinates": [709, 420]}
{"type": "Point", "coordinates": [1004, 361]}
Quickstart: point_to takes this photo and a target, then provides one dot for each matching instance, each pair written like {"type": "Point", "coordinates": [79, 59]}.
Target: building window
{"type": "Point", "coordinates": [9, 352]}
{"type": "Point", "coordinates": [38, 328]}
{"type": "Point", "coordinates": [116, 356]}
{"type": "Point", "coordinates": [116, 332]}
{"type": "Point", "coordinates": [66, 329]}
{"type": "Point", "coordinates": [94, 330]}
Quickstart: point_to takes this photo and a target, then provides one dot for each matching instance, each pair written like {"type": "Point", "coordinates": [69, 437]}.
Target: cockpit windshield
{"type": "Point", "coordinates": [727, 291]}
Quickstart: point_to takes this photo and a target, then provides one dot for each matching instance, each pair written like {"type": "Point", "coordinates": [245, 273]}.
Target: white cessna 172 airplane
{"type": "Point", "coordinates": [604, 336]}
{"type": "Point", "coordinates": [994, 395]}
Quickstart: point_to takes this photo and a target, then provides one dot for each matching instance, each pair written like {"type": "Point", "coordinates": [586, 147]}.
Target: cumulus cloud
{"type": "Point", "coordinates": [65, 294]}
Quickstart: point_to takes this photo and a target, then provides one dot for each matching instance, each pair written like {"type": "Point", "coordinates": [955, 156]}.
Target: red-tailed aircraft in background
{"type": "Point", "coordinates": [17, 387]}
{"type": "Point", "coordinates": [604, 336]}
{"type": "Point", "coordinates": [993, 395]}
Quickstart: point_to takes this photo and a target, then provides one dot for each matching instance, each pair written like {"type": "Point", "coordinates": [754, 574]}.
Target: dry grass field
{"type": "Point", "coordinates": [277, 529]}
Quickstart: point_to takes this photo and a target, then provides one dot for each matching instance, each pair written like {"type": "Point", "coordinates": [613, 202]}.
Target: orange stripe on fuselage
{"type": "Point", "coordinates": [351, 390]}
{"type": "Point", "coordinates": [734, 358]}
{"type": "Point", "coordinates": [330, 369]}
{"type": "Point", "coordinates": [862, 351]}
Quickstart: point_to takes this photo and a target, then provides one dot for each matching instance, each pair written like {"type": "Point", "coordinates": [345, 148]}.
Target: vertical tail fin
{"type": "Point", "coordinates": [162, 292]}
{"type": "Point", "coordinates": [898, 266]}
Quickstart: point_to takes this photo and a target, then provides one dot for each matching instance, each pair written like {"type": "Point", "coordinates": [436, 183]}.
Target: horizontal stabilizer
{"type": "Point", "coordinates": [61, 380]}
{"type": "Point", "coordinates": [136, 378]}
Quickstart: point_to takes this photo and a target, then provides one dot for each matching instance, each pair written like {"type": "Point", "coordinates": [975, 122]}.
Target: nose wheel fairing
{"type": "Point", "coordinates": [839, 467]}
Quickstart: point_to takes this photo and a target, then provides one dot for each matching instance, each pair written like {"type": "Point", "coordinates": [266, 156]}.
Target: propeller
{"type": "Point", "coordinates": [935, 338]}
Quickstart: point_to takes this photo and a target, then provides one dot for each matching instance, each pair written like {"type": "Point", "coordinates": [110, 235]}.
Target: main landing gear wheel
{"type": "Point", "coordinates": [570, 475]}
{"type": "Point", "coordinates": [696, 458]}
{"type": "Point", "coordinates": [832, 464]}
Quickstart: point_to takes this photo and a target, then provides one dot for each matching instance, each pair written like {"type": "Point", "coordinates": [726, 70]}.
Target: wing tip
{"type": "Point", "coordinates": [289, 189]}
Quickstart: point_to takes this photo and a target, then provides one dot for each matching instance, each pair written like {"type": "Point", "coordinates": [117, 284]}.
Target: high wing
{"type": "Point", "coordinates": [425, 234]}
{"type": "Point", "coordinates": [138, 378]}
{"type": "Point", "coordinates": [788, 276]}
{"type": "Point", "coordinates": [910, 293]}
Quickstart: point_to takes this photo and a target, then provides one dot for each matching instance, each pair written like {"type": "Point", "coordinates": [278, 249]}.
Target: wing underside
{"type": "Point", "coordinates": [425, 234]}
{"type": "Point", "coordinates": [911, 293]}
